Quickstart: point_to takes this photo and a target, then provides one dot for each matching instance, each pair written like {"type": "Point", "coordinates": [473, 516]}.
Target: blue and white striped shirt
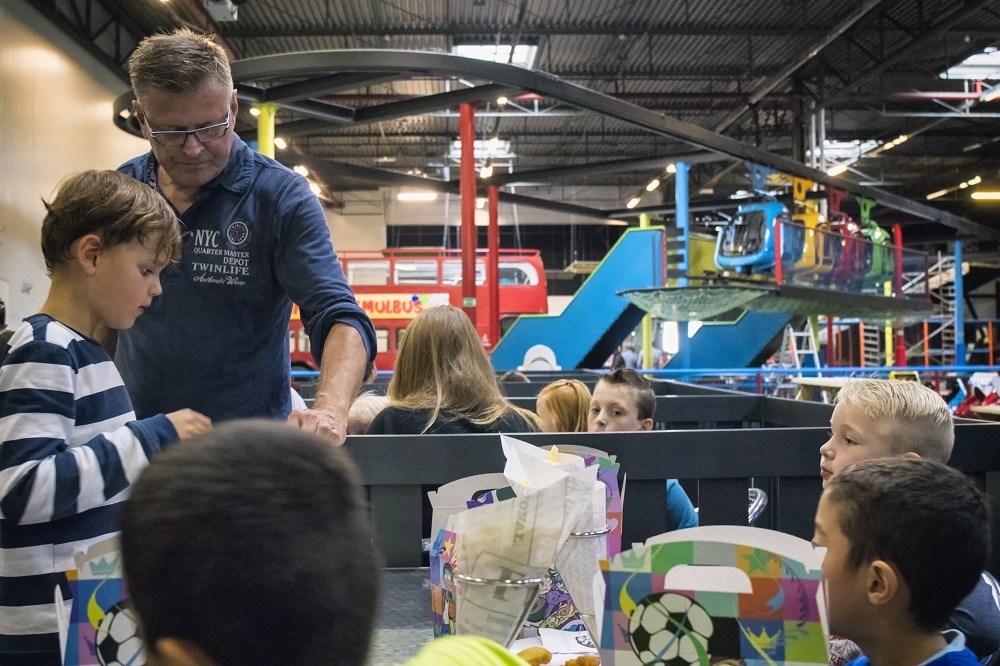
{"type": "Point", "coordinates": [69, 449]}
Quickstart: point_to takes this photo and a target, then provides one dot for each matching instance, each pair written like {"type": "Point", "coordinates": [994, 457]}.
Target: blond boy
{"type": "Point", "coordinates": [879, 418]}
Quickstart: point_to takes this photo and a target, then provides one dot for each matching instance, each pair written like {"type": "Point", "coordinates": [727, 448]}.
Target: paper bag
{"type": "Point", "coordinates": [101, 628]}
{"type": "Point", "coordinates": [708, 594]}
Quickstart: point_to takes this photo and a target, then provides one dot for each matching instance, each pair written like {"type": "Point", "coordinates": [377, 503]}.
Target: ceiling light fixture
{"type": "Point", "coordinates": [280, 143]}
{"type": "Point", "coordinates": [986, 195]}
{"type": "Point", "coordinates": [633, 202]}
{"type": "Point", "coordinates": [653, 184]}
{"type": "Point", "coordinates": [417, 197]}
{"type": "Point", "coordinates": [486, 171]}
{"type": "Point", "coordinates": [301, 170]}
{"type": "Point", "coordinates": [961, 186]}
{"type": "Point", "coordinates": [254, 111]}
{"type": "Point", "coordinates": [502, 100]}
{"type": "Point", "coordinates": [837, 170]}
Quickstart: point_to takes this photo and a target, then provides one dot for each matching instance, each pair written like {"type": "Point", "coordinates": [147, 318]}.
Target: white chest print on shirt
{"type": "Point", "coordinates": [218, 259]}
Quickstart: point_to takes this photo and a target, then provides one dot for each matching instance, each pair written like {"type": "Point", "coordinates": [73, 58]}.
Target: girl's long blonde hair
{"type": "Point", "coordinates": [441, 365]}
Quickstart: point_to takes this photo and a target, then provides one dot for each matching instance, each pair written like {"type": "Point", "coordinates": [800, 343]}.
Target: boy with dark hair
{"type": "Point", "coordinates": [251, 546]}
{"type": "Point", "coordinates": [878, 418]}
{"type": "Point", "coordinates": [70, 444]}
{"type": "Point", "coordinates": [623, 401]}
{"type": "Point", "coordinates": [906, 540]}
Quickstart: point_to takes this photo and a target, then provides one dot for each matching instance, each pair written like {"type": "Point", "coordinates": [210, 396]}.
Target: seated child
{"type": "Point", "coordinates": [562, 406]}
{"type": "Point", "coordinates": [623, 401]}
{"type": "Point", "coordinates": [251, 546]}
{"type": "Point", "coordinates": [363, 411]}
{"type": "Point", "coordinates": [876, 418]}
{"type": "Point", "coordinates": [906, 540]}
{"type": "Point", "coordinates": [70, 444]}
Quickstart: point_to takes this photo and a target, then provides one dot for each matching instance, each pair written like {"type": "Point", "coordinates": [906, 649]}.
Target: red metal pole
{"type": "Point", "coordinates": [493, 263]}
{"type": "Point", "coordinates": [467, 188]}
{"type": "Point", "coordinates": [897, 291]}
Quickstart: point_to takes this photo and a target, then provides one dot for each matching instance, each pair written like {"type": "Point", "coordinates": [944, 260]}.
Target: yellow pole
{"type": "Point", "coordinates": [647, 321]}
{"type": "Point", "coordinates": [265, 127]}
{"type": "Point", "coordinates": [887, 288]}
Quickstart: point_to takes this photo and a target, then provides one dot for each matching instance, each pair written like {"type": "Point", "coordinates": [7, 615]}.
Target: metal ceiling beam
{"type": "Point", "coordinates": [657, 162]}
{"type": "Point", "coordinates": [333, 168]}
{"type": "Point", "coordinates": [421, 105]}
{"type": "Point", "coordinates": [91, 23]}
{"type": "Point", "coordinates": [797, 63]}
{"type": "Point", "coordinates": [491, 30]}
{"type": "Point", "coordinates": [935, 31]}
{"type": "Point", "coordinates": [443, 65]}
{"type": "Point", "coordinates": [324, 86]}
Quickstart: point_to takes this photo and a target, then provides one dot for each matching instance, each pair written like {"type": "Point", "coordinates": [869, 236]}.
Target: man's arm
{"type": "Point", "coordinates": [340, 376]}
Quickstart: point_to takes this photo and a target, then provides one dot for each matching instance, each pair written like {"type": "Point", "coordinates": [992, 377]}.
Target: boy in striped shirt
{"type": "Point", "coordinates": [70, 445]}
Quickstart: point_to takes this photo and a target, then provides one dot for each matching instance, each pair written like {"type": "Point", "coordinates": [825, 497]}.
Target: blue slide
{"type": "Point", "coordinates": [596, 321]}
{"type": "Point", "coordinates": [748, 341]}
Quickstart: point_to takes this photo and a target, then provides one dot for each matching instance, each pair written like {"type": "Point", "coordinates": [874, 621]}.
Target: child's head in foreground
{"type": "Point", "coordinates": [906, 541]}
{"type": "Point", "coordinates": [623, 400]}
{"type": "Point", "coordinates": [107, 236]}
{"type": "Point", "coordinates": [875, 418]}
{"type": "Point", "coordinates": [562, 406]}
{"type": "Point", "coordinates": [249, 545]}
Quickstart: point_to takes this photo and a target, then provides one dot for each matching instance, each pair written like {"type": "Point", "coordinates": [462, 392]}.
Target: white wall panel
{"type": "Point", "coordinates": [55, 119]}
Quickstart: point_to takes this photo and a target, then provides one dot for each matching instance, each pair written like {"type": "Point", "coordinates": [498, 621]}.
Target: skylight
{"type": "Point", "coordinates": [524, 54]}
{"type": "Point", "coordinates": [983, 66]}
{"type": "Point", "coordinates": [492, 149]}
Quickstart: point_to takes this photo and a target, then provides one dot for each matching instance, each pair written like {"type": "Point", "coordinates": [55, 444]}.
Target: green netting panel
{"type": "Point", "coordinates": [692, 303]}
{"type": "Point", "coordinates": [704, 302]}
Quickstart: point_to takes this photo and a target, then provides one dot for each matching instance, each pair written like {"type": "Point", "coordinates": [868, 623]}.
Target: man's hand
{"type": "Point", "coordinates": [325, 423]}
{"type": "Point", "coordinates": [189, 423]}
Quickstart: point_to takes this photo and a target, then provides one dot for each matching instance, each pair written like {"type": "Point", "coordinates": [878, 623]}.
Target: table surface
{"type": "Point", "coordinates": [404, 622]}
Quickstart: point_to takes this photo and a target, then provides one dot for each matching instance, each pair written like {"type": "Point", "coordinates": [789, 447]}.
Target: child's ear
{"type": "Point", "coordinates": [911, 455]}
{"type": "Point", "coordinates": [883, 583]}
{"type": "Point", "coordinates": [85, 252]}
{"type": "Point", "coordinates": [179, 652]}
{"type": "Point", "coordinates": [646, 424]}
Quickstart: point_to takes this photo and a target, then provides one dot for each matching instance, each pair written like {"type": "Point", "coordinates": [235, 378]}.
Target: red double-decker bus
{"type": "Point", "coordinates": [393, 286]}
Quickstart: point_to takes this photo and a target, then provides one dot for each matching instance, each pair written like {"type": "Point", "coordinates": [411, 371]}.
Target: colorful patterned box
{"type": "Point", "coordinates": [102, 629]}
{"type": "Point", "coordinates": [711, 594]}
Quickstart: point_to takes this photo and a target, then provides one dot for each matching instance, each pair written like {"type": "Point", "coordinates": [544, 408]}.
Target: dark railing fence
{"type": "Point", "coordinates": [717, 443]}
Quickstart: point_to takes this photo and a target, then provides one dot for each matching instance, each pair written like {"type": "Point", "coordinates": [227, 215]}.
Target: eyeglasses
{"type": "Point", "coordinates": [178, 137]}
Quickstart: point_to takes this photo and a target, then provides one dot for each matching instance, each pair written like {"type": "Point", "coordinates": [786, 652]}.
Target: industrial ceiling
{"type": "Point", "coordinates": [762, 80]}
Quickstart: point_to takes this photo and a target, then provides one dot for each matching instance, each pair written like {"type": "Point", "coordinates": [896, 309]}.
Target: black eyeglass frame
{"type": "Point", "coordinates": [159, 135]}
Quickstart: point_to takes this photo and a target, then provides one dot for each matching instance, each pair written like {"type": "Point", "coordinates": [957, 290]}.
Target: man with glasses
{"type": "Point", "coordinates": [256, 239]}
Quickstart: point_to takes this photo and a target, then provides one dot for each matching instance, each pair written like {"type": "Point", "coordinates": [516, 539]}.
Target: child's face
{"type": "Point", "coordinates": [853, 437]}
{"type": "Point", "coordinates": [845, 584]}
{"type": "Point", "coordinates": [125, 280]}
{"type": "Point", "coordinates": [613, 409]}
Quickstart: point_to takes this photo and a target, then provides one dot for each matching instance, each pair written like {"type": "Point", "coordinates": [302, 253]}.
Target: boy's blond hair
{"type": "Point", "coordinates": [367, 405]}
{"type": "Point", "coordinates": [911, 416]}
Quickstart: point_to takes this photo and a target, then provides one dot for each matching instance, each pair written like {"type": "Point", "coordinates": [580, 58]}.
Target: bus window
{"type": "Point", "coordinates": [451, 271]}
{"type": "Point", "coordinates": [382, 340]}
{"type": "Point", "coordinates": [518, 272]}
{"type": "Point", "coordinates": [416, 272]}
{"type": "Point", "coordinates": [372, 272]}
